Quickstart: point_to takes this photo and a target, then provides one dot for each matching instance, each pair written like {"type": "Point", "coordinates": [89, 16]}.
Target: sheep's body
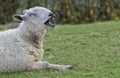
{"type": "Point", "coordinates": [18, 50]}
{"type": "Point", "coordinates": [21, 48]}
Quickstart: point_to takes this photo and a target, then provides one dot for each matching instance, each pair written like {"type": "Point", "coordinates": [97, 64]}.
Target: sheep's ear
{"type": "Point", "coordinates": [18, 17]}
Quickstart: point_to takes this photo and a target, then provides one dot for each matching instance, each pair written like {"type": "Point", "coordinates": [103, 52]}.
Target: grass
{"type": "Point", "coordinates": [93, 50]}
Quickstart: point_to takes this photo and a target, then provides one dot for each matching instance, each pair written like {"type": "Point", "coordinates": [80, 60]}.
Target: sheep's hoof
{"type": "Point", "coordinates": [70, 67]}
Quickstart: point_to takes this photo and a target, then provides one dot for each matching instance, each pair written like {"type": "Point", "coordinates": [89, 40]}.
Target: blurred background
{"type": "Point", "coordinates": [67, 11]}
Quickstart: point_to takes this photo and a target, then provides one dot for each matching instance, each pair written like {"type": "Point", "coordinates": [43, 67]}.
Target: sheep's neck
{"type": "Point", "coordinates": [34, 38]}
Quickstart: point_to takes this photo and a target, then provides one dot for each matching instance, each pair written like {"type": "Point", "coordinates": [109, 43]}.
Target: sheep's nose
{"type": "Point", "coordinates": [51, 14]}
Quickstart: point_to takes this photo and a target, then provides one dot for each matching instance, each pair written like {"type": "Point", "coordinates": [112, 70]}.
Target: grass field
{"type": "Point", "coordinates": [93, 50]}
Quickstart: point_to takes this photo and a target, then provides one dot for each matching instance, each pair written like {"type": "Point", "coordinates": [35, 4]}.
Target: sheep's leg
{"type": "Point", "coordinates": [43, 64]}
{"type": "Point", "coordinates": [39, 65]}
{"type": "Point", "coordinates": [60, 67]}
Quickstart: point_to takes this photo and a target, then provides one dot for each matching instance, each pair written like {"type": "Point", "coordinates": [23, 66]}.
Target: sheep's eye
{"type": "Point", "coordinates": [32, 14]}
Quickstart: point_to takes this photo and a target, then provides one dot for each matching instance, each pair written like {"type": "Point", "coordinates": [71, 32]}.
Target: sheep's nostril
{"type": "Point", "coordinates": [51, 14]}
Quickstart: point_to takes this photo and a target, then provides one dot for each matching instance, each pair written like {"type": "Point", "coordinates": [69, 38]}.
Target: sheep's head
{"type": "Point", "coordinates": [38, 16]}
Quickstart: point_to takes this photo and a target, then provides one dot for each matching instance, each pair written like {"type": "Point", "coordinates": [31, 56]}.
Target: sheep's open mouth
{"type": "Point", "coordinates": [48, 22]}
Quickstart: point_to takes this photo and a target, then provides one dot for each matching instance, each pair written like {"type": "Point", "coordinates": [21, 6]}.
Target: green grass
{"type": "Point", "coordinates": [93, 50]}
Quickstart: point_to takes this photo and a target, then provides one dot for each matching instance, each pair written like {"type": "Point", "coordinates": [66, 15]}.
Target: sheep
{"type": "Point", "coordinates": [21, 49]}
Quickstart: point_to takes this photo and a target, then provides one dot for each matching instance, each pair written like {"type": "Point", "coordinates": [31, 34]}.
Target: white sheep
{"type": "Point", "coordinates": [21, 48]}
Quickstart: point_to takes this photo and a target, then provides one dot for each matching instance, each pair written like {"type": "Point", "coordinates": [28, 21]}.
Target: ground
{"type": "Point", "coordinates": [93, 50]}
